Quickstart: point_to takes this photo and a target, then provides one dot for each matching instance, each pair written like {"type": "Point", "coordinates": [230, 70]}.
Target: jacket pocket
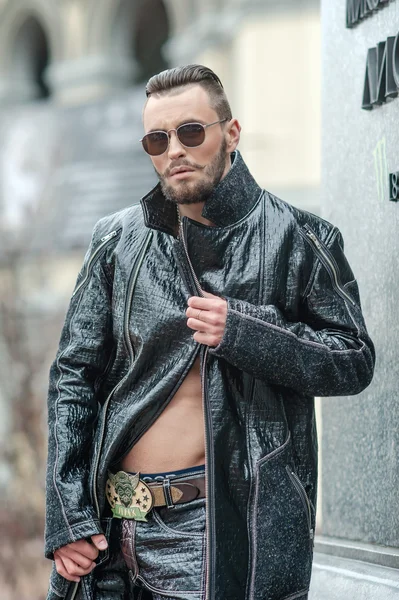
{"type": "Point", "coordinates": [296, 482]}
{"type": "Point", "coordinates": [86, 271]}
{"type": "Point", "coordinates": [327, 260]}
{"type": "Point", "coordinates": [281, 551]}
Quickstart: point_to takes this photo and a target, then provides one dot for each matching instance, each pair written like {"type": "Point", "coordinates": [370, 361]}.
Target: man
{"type": "Point", "coordinates": [182, 438]}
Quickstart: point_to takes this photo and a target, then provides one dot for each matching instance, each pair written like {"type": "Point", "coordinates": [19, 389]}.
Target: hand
{"type": "Point", "coordinates": [77, 558]}
{"type": "Point", "coordinates": [207, 316]}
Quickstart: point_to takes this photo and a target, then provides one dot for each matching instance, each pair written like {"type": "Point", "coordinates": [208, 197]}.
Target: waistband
{"type": "Point", "coordinates": [197, 471]}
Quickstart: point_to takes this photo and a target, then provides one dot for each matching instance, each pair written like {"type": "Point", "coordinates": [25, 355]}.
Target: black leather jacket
{"type": "Point", "coordinates": [294, 331]}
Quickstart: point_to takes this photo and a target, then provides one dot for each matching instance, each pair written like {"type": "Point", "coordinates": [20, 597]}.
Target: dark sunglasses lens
{"type": "Point", "coordinates": [155, 143]}
{"type": "Point", "coordinates": [191, 135]}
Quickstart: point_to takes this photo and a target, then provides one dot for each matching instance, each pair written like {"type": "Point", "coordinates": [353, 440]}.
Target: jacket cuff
{"type": "Point", "coordinates": [73, 533]}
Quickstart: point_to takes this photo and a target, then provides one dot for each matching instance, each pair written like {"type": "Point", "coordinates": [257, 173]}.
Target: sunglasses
{"type": "Point", "coordinates": [189, 135]}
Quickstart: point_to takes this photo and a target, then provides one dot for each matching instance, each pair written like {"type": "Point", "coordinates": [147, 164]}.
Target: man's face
{"type": "Point", "coordinates": [206, 164]}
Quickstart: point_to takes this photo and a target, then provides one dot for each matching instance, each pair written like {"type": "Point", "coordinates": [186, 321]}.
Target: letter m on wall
{"type": "Point", "coordinates": [353, 12]}
{"type": "Point", "coordinates": [379, 82]}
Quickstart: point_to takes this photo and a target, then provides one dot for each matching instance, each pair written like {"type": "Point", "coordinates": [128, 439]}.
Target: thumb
{"type": "Point", "coordinates": [99, 541]}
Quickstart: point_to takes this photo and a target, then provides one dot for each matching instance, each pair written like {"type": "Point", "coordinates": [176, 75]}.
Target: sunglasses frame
{"type": "Point", "coordinates": [167, 133]}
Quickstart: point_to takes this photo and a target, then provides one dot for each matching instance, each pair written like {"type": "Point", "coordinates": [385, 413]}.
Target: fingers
{"type": "Point", "coordinates": [207, 316]}
{"type": "Point", "coordinates": [82, 561]}
{"type": "Point", "coordinates": [199, 325]}
{"type": "Point", "coordinates": [77, 559]}
{"type": "Point", "coordinates": [206, 333]}
{"type": "Point", "coordinates": [83, 547]}
{"type": "Point", "coordinates": [207, 339]}
{"type": "Point", "coordinates": [204, 303]}
{"type": "Point", "coordinates": [204, 316]}
{"type": "Point", "coordinates": [62, 569]}
{"type": "Point", "coordinates": [74, 569]}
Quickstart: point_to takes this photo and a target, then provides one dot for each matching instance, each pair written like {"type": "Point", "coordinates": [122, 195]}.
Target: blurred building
{"type": "Point", "coordinates": [71, 88]}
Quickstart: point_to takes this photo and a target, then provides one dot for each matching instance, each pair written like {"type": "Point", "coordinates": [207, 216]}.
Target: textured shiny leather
{"type": "Point", "coordinates": [294, 330]}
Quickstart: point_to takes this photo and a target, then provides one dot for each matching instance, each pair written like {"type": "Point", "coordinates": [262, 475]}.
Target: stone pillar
{"type": "Point", "coordinates": [357, 553]}
{"type": "Point", "coordinates": [89, 77]}
{"type": "Point", "coordinates": [17, 90]}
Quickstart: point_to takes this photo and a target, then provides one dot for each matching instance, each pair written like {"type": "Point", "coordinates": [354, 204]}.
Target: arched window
{"type": "Point", "coordinates": [31, 55]}
{"type": "Point", "coordinates": [141, 29]}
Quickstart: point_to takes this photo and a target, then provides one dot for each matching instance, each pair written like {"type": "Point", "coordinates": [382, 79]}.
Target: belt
{"type": "Point", "coordinates": [132, 498]}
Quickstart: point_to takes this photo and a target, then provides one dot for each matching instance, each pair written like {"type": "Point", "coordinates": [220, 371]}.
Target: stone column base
{"type": "Point", "coordinates": [342, 578]}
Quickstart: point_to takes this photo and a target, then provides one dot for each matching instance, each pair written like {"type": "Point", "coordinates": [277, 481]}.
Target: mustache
{"type": "Point", "coordinates": [182, 163]}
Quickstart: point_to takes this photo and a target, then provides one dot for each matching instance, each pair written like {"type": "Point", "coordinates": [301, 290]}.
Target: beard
{"type": "Point", "coordinates": [194, 193]}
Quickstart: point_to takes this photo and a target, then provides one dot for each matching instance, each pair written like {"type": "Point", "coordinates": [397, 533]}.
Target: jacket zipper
{"type": "Point", "coordinates": [304, 497]}
{"type": "Point", "coordinates": [210, 517]}
{"type": "Point", "coordinates": [183, 238]}
{"type": "Point", "coordinates": [104, 242]}
{"type": "Point", "coordinates": [327, 262]}
{"type": "Point", "coordinates": [130, 292]}
{"type": "Point", "coordinates": [207, 428]}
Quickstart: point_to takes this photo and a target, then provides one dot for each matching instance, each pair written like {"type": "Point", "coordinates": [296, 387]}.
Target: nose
{"type": "Point", "coordinates": [175, 149]}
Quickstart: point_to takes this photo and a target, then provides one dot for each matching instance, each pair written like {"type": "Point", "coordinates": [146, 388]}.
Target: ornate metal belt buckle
{"type": "Point", "coordinates": [129, 497]}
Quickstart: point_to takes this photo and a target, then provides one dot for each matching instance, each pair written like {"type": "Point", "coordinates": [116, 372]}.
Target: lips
{"type": "Point", "coordinates": [178, 170]}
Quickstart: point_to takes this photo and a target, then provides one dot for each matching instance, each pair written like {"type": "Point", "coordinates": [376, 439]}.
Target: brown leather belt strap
{"type": "Point", "coordinates": [183, 491]}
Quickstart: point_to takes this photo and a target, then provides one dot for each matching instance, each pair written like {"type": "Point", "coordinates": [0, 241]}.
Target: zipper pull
{"type": "Point", "coordinates": [314, 239]}
{"type": "Point", "coordinates": [179, 225]}
{"type": "Point", "coordinates": [108, 237]}
{"type": "Point", "coordinates": [180, 231]}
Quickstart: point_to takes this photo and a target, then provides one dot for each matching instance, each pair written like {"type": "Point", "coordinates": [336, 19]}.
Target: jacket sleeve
{"type": "Point", "coordinates": [326, 352]}
{"type": "Point", "coordinates": [83, 353]}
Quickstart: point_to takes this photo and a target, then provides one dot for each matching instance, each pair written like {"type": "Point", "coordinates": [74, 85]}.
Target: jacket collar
{"type": "Point", "coordinates": [230, 201]}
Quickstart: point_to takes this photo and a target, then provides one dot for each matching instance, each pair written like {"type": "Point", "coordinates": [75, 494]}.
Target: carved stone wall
{"type": "Point", "coordinates": [358, 554]}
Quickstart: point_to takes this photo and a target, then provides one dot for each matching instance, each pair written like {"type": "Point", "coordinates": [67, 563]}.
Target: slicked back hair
{"type": "Point", "coordinates": [174, 79]}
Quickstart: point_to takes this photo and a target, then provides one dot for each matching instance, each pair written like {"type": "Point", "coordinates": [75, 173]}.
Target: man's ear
{"type": "Point", "coordinates": [233, 135]}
